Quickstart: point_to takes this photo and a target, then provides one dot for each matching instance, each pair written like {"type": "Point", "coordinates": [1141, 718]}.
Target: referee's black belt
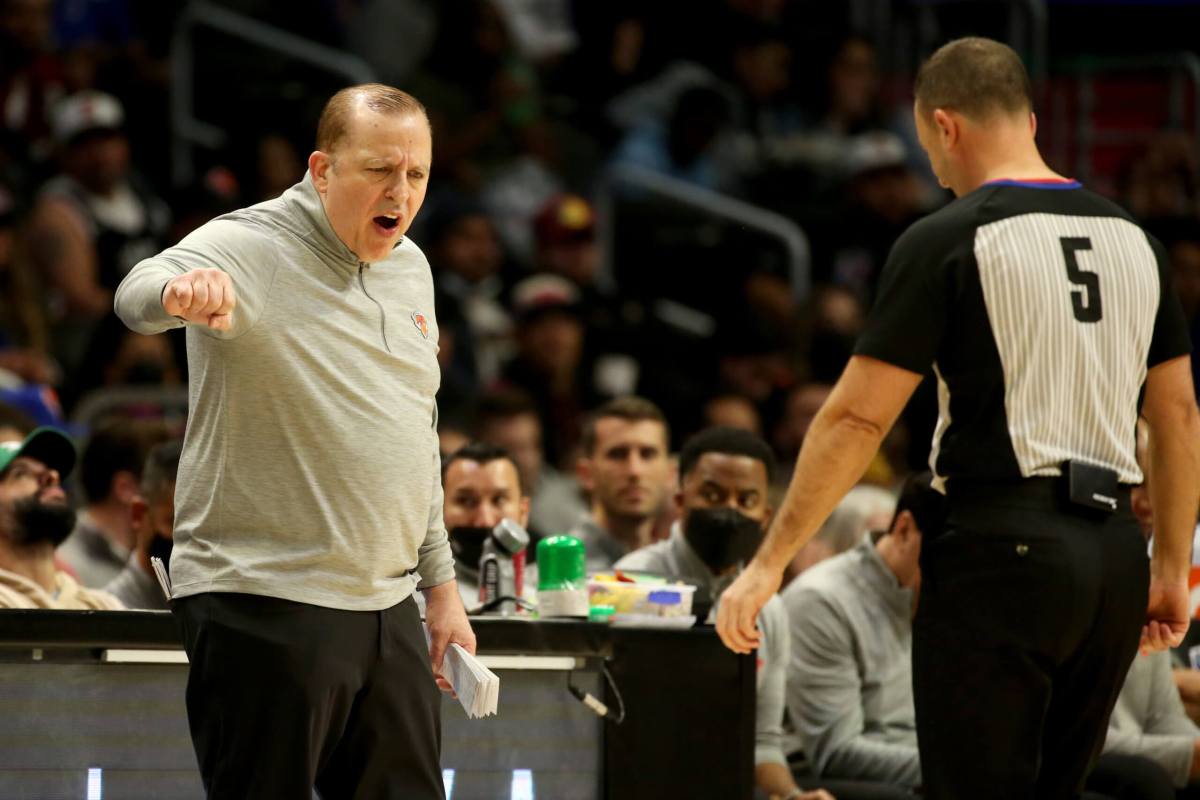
{"type": "Point", "coordinates": [1050, 493]}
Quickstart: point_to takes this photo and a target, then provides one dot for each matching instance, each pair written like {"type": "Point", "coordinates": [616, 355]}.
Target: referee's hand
{"type": "Point", "coordinates": [1166, 616]}
{"type": "Point", "coordinates": [737, 614]}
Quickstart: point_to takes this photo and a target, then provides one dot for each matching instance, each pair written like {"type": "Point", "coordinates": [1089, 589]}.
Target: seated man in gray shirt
{"type": "Point", "coordinates": [625, 467]}
{"type": "Point", "coordinates": [1149, 721]}
{"type": "Point", "coordinates": [152, 519]}
{"type": "Point", "coordinates": [849, 681]}
{"type": "Point", "coordinates": [724, 474]}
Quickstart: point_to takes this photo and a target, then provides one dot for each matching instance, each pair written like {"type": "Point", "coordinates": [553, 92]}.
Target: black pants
{"type": "Point", "coordinates": [1122, 777]}
{"type": "Point", "coordinates": [1030, 614]}
{"type": "Point", "coordinates": [285, 696]}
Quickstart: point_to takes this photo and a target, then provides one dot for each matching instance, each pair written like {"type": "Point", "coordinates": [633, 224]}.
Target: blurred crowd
{"type": "Point", "coordinates": [556, 287]}
{"type": "Point", "coordinates": [590, 324]}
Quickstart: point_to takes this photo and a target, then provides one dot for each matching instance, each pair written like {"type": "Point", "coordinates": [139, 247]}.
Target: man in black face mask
{"type": "Point", "coordinates": [482, 486]}
{"type": "Point", "coordinates": [724, 476]}
{"type": "Point", "coordinates": [34, 519]}
{"type": "Point", "coordinates": [152, 519]}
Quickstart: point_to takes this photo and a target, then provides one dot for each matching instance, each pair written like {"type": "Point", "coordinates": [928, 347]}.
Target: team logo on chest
{"type": "Point", "coordinates": [422, 324]}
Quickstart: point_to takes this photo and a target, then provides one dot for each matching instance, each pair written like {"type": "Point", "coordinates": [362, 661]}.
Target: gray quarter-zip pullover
{"type": "Point", "coordinates": [310, 468]}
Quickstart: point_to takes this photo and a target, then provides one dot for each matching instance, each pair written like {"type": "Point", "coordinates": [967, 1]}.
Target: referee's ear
{"type": "Point", "coordinates": [948, 126]}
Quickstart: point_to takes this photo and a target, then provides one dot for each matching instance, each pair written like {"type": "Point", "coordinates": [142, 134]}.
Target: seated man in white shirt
{"type": "Point", "coordinates": [34, 519]}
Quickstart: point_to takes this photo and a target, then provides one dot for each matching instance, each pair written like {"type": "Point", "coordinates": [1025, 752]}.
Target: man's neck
{"type": "Point", "coordinates": [1006, 150]}
{"type": "Point", "coordinates": [632, 532]}
{"type": "Point", "coordinates": [35, 563]}
{"type": "Point", "coordinates": [1026, 169]}
{"type": "Point", "coordinates": [112, 520]}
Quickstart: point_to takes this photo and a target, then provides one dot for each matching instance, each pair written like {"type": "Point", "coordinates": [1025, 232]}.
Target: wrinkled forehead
{"type": "Point", "coordinates": [392, 137]}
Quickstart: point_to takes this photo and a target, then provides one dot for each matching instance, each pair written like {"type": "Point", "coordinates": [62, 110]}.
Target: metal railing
{"type": "Point", "coordinates": [188, 131]}
{"type": "Point", "coordinates": [647, 182]}
{"type": "Point", "coordinates": [170, 401]}
{"type": "Point", "coordinates": [1183, 74]}
{"type": "Point", "coordinates": [906, 31]}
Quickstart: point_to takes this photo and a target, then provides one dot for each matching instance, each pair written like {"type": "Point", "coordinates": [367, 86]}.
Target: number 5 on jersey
{"type": "Point", "coordinates": [1085, 300]}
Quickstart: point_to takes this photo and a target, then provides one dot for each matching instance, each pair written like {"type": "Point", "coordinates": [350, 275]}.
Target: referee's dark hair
{"type": "Point", "coordinates": [727, 441]}
{"type": "Point", "coordinates": [976, 77]}
{"type": "Point", "coordinates": [919, 498]}
{"type": "Point", "coordinates": [481, 453]}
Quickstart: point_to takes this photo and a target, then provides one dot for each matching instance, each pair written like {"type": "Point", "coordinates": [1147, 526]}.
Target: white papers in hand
{"type": "Point", "coordinates": [160, 572]}
{"type": "Point", "coordinates": [477, 687]}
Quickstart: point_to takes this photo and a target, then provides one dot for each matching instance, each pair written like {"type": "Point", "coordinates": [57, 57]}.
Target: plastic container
{"type": "Point", "coordinates": [643, 599]}
{"type": "Point", "coordinates": [562, 578]}
{"type": "Point", "coordinates": [561, 561]}
{"type": "Point", "coordinates": [601, 614]}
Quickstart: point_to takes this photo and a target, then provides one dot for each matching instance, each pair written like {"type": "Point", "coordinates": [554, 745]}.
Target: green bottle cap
{"type": "Point", "coordinates": [560, 561]}
{"type": "Point", "coordinates": [601, 613]}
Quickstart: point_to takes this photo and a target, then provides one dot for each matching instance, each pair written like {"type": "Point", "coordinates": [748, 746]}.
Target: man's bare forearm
{"type": "Point", "coordinates": [837, 450]}
{"type": "Point", "coordinates": [1175, 495]}
{"type": "Point", "coordinates": [1174, 423]}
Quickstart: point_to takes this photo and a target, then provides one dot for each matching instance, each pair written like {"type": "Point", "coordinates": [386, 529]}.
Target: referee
{"type": "Point", "coordinates": [1046, 314]}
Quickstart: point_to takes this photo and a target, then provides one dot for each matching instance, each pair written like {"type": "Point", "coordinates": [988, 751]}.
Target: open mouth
{"type": "Point", "coordinates": [386, 224]}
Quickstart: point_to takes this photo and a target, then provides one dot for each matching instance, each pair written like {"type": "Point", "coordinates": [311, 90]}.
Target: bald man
{"type": "Point", "coordinates": [309, 499]}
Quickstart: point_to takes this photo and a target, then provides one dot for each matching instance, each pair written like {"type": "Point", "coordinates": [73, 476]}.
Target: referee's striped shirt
{"type": "Point", "coordinates": [1040, 306]}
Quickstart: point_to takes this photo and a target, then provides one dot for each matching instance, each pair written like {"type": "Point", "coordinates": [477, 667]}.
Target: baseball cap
{"type": "Point", "coordinates": [38, 401]}
{"type": "Point", "coordinates": [45, 444]}
{"type": "Point", "coordinates": [538, 294]}
{"type": "Point", "coordinates": [86, 111]}
{"type": "Point", "coordinates": [876, 150]}
{"type": "Point", "coordinates": [565, 218]}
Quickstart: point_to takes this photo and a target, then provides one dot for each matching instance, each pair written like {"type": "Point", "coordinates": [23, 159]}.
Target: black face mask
{"type": "Point", "coordinates": [722, 537]}
{"type": "Point", "coordinates": [39, 522]}
{"type": "Point", "coordinates": [160, 547]}
{"type": "Point", "coordinates": [466, 542]}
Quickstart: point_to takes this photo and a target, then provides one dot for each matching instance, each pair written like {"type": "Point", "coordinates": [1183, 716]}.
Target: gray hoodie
{"type": "Point", "coordinates": [310, 467]}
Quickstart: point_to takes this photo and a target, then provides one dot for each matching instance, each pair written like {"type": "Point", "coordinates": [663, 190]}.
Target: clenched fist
{"type": "Point", "coordinates": [204, 296]}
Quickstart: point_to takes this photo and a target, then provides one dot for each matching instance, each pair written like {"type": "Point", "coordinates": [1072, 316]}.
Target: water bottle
{"type": "Point", "coordinates": [501, 565]}
{"type": "Point", "coordinates": [562, 579]}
